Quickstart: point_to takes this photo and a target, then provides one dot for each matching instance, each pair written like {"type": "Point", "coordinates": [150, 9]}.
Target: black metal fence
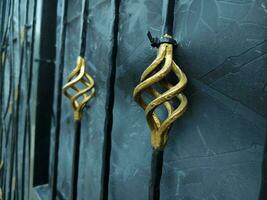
{"type": "Point", "coordinates": [215, 151]}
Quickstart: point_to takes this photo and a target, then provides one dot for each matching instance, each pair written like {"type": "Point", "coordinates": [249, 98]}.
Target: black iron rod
{"type": "Point", "coordinates": [59, 99]}
{"type": "Point", "coordinates": [16, 186]}
{"type": "Point", "coordinates": [25, 47]}
{"type": "Point", "coordinates": [22, 43]}
{"type": "Point", "coordinates": [84, 28]}
{"type": "Point", "coordinates": [75, 160]}
{"type": "Point", "coordinates": [27, 122]}
{"type": "Point", "coordinates": [5, 170]}
{"type": "Point", "coordinates": [109, 108]}
{"type": "Point", "coordinates": [5, 175]}
{"type": "Point", "coordinates": [157, 156]}
{"type": "Point", "coordinates": [156, 172]}
{"type": "Point", "coordinates": [3, 17]}
{"type": "Point", "coordinates": [168, 16]}
{"type": "Point", "coordinates": [2, 70]}
{"type": "Point", "coordinates": [6, 25]}
{"type": "Point", "coordinates": [4, 44]}
{"type": "Point", "coordinates": [76, 141]}
{"type": "Point", "coordinates": [8, 33]}
{"type": "Point", "coordinates": [15, 114]}
{"type": "Point", "coordinates": [45, 92]}
{"type": "Point", "coordinates": [263, 189]}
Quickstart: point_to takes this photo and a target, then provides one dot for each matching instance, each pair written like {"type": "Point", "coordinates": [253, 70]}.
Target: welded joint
{"type": "Point", "coordinates": [156, 42]}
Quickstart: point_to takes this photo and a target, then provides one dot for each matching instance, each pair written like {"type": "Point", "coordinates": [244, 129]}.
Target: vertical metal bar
{"type": "Point", "coordinates": [75, 160]}
{"type": "Point", "coordinates": [168, 16]}
{"type": "Point", "coordinates": [3, 18]}
{"type": "Point", "coordinates": [109, 107]}
{"type": "Point", "coordinates": [2, 66]}
{"type": "Point", "coordinates": [23, 171]}
{"type": "Point", "coordinates": [54, 175]}
{"type": "Point", "coordinates": [157, 155]}
{"type": "Point", "coordinates": [8, 33]}
{"type": "Point", "coordinates": [27, 123]}
{"type": "Point", "coordinates": [77, 134]}
{"type": "Point", "coordinates": [156, 172]}
{"type": "Point", "coordinates": [45, 91]}
{"type": "Point", "coordinates": [263, 189]}
{"type": "Point", "coordinates": [3, 39]}
{"type": "Point", "coordinates": [84, 28]}
{"type": "Point", "coordinates": [78, 75]}
{"type": "Point", "coordinates": [15, 116]}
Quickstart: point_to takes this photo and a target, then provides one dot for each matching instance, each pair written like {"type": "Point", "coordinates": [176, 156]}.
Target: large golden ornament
{"type": "Point", "coordinates": [156, 74]}
{"type": "Point", "coordinates": [81, 84]}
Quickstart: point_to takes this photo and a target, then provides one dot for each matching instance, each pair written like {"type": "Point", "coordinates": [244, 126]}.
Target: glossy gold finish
{"type": "Point", "coordinates": [79, 78]}
{"type": "Point", "coordinates": [155, 76]}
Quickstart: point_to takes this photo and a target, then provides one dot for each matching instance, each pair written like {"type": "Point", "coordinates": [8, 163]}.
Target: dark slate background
{"type": "Point", "coordinates": [215, 149]}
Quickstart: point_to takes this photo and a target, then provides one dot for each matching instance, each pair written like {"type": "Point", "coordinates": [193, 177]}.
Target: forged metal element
{"type": "Point", "coordinates": [78, 75]}
{"type": "Point", "coordinates": [156, 42]}
{"type": "Point", "coordinates": [156, 74]}
{"type": "Point", "coordinates": [168, 13]}
{"type": "Point", "coordinates": [263, 189]}
{"type": "Point", "coordinates": [22, 45]}
{"type": "Point", "coordinates": [3, 15]}
{"type": "Point", "coordinates": [24, 53]}
{"type": "Point", "coordinates": [27, 122]}
{"type": "Point", "coordinates": [75, 160]}
{"type": "Point", "coordinates": [153, 77]}
{"type": "Point", "coordinates": [6, 8]}
{"type": "Point", "coordinates": [78, 102]}
{"type": "Point", "coordinates": [156, 172]}
{"type": "Point", "coordinates": [105, 170]}
{"type": "Point", "coordinates": [79, 89]}
{"type": "Point", "coordinates": [45, 88]}
{"type": "Point", "coordinates": [54, 172]}
{"type": "Point", "coordinates": [13, 162]}
{"type": "Point", "coordinates": [168, 16]}
{"type": "Point", "coordinates": [84, 28]}
{"type": "Point", "coordinates": [1, 169]}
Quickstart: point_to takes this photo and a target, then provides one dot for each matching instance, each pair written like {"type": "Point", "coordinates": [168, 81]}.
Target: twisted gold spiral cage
{"type": "Point", "coordinates": [156, 73]}
{"type": "Point", "coordinates": [82, 84]}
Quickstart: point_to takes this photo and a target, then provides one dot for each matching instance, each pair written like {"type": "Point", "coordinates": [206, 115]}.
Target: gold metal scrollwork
{"type": "Point", "coordinates": [79, 78]}
{"type": "Point", "coordinates": [156, 74]}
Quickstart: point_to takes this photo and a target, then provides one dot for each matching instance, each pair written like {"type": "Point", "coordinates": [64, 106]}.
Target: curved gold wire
{"type": "Point", "coordinates": [77, 78]}
{"type": "Point", "coordinates": [156, 73]}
